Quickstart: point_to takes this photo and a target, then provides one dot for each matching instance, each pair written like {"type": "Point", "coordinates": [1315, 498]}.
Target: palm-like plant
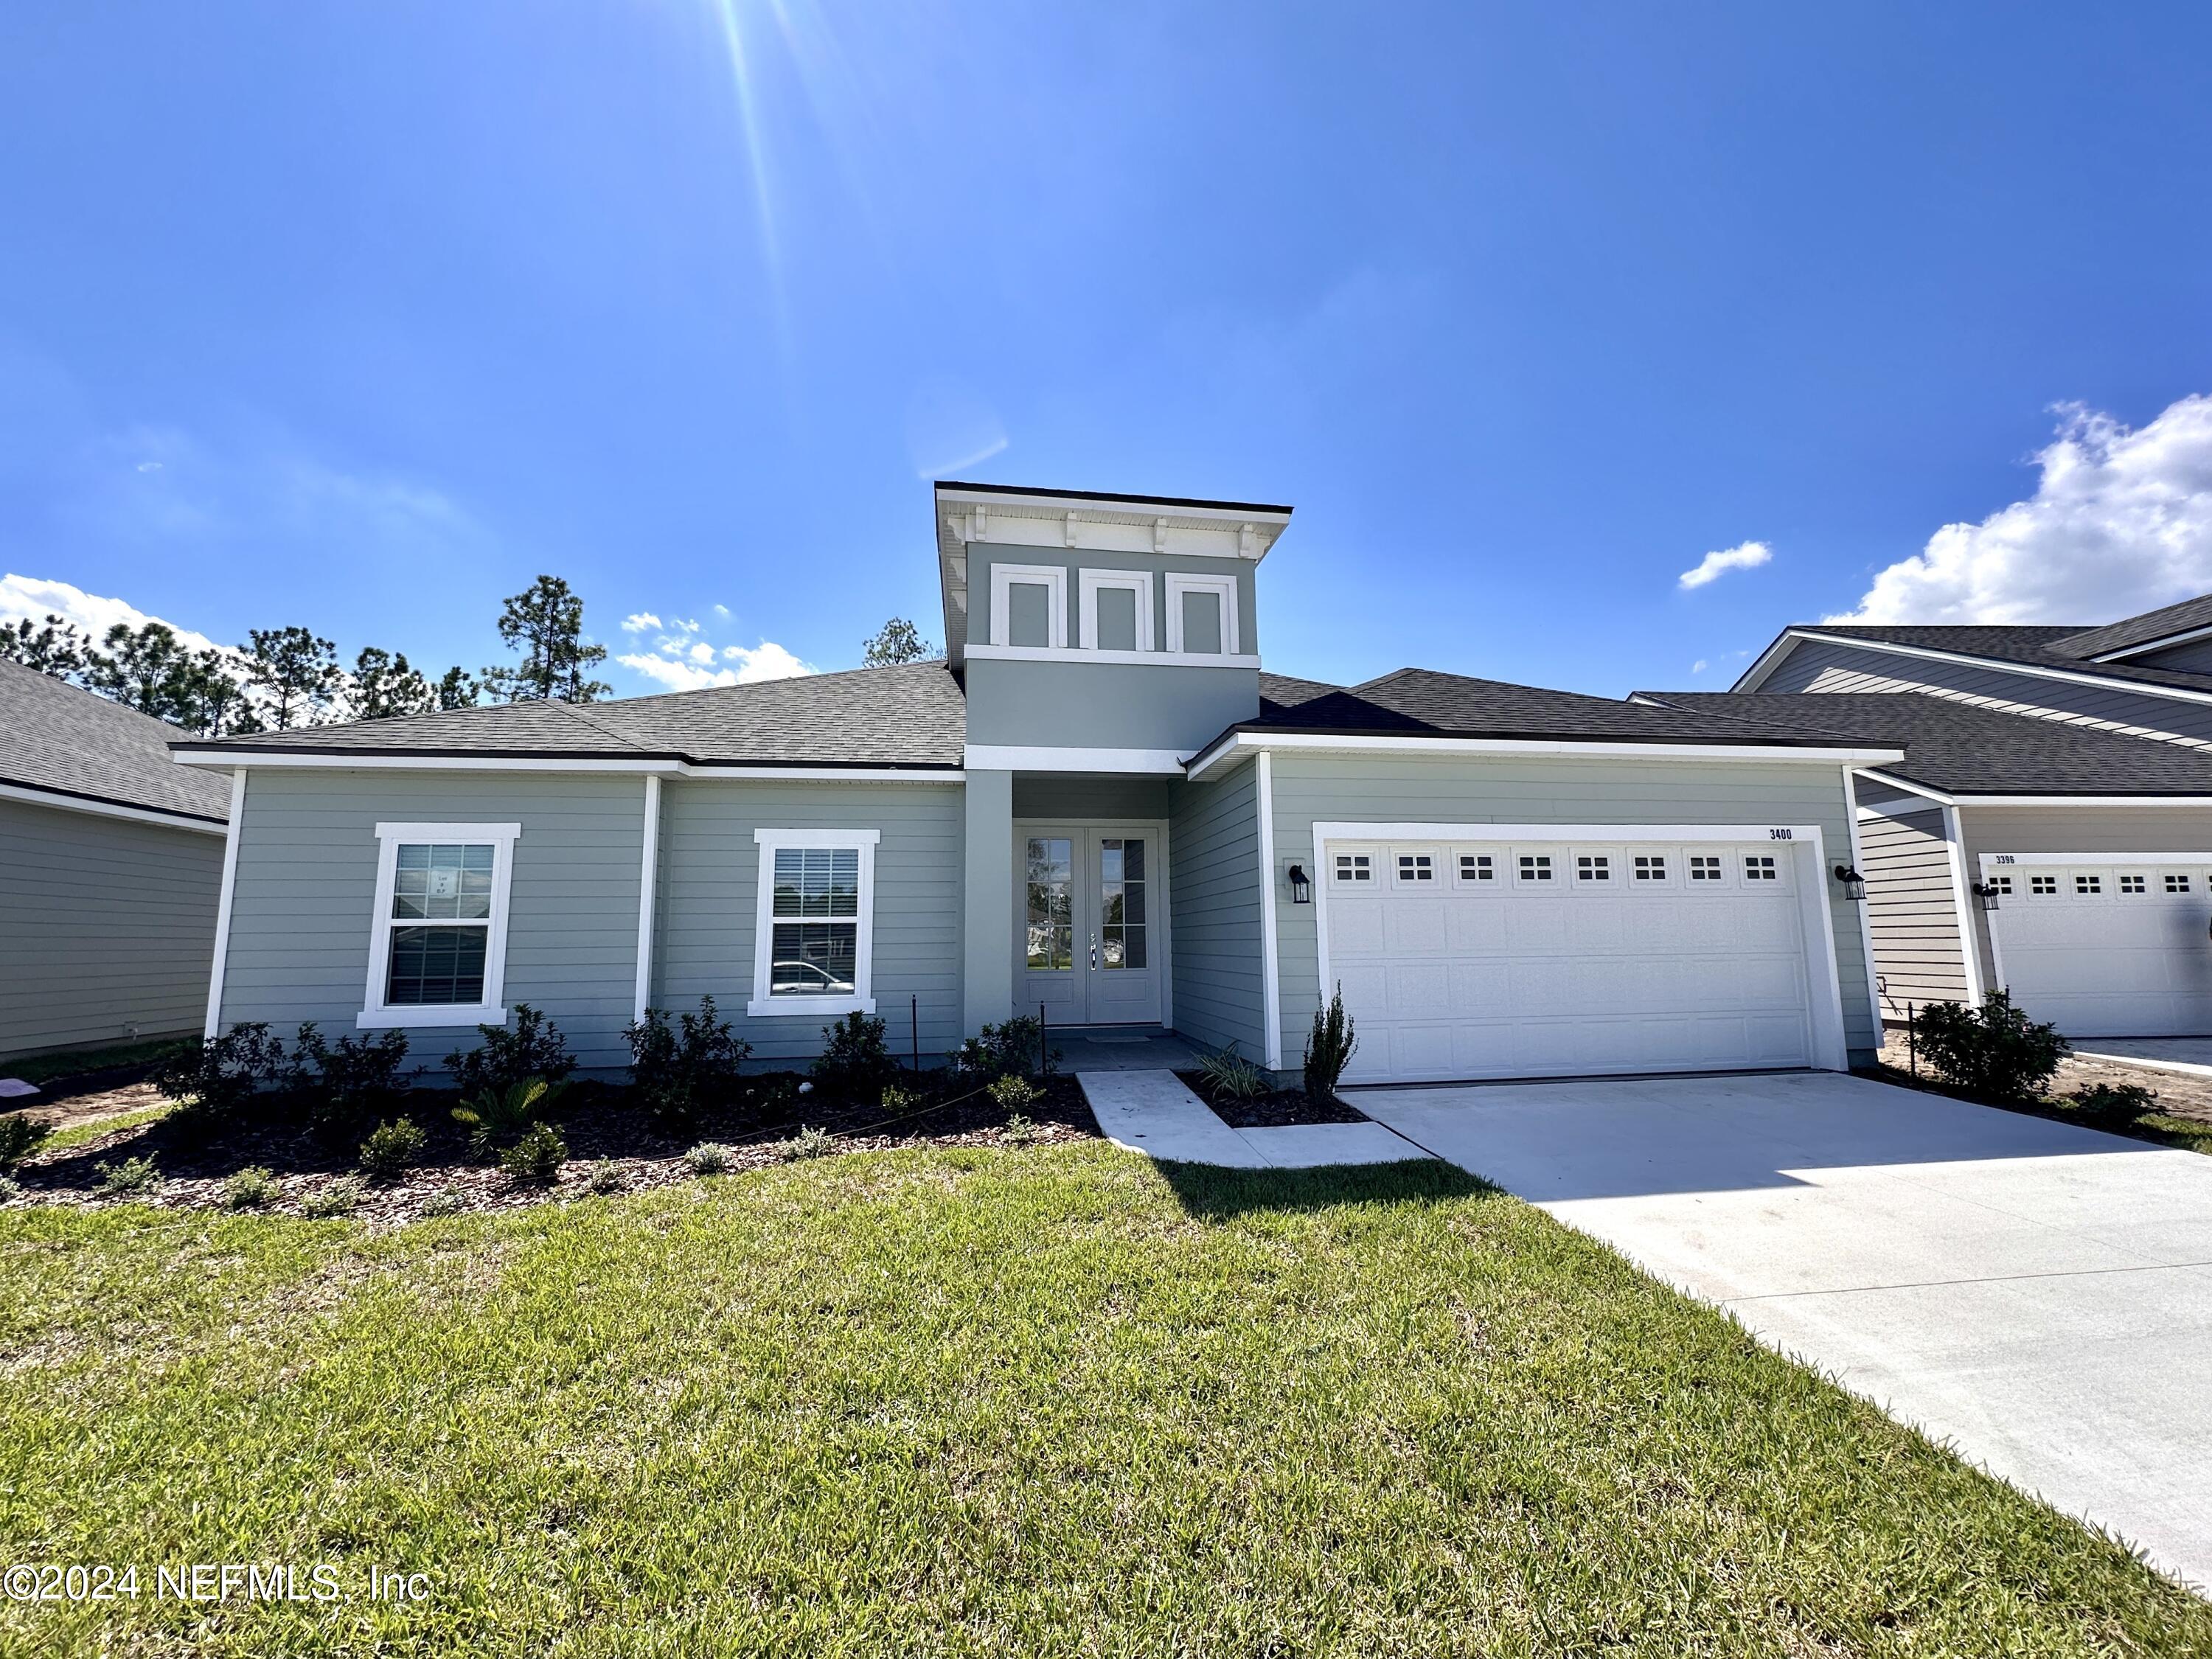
{"type": "Point", "coordinates": [500, 1117]}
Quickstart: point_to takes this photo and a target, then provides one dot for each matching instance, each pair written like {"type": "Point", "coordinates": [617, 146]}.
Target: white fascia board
{"type": "Point", "coordinates": [2090, 861]}
{"type": "Point", "coordinates": [1132, 658]}
{"type": "Point", "coordinates": [1016, 757]}
{"type": "Point", "coordinates": [1874, 774]}
{"type": "Point", "coordinates": [2201, 802]}
{"type": "Point", "coordinates": [108, 809]}
{"type": "Point", "coordinates": [227, 759]}
{"type": "Point", "coordinates": [2164, 642]}
{"type": "Point", "coordinates": [1769, 660]}
{"type": "Point", "coordinates": [1061, 506]}
{"type": "Point", "coordinates": [1590, 832]}
{"type": "Point", "coordinates": [1567, 749]}
{"type": "Point", "coordinates": [2035, 670]}
{"type": "Point", "coordinates": [947, 775]}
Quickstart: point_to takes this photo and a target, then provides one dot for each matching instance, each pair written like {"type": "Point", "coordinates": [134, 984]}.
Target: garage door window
{"type": "Point", "coordinates": [1476, 867]}
{"type": "Point", "coordinates": [2087, 885]}
{"type": "Point", "coordinates": [2042, 886]}
{"type": "Point", "coordinates": [1593, 867]}
{"type": "Point", "coordinates": [1651, 867]}
{"type": "Point", "coordinates": [1759, 867]}
{"type": "Point", "coordinates": [1704, 867]}
{"type": "Point", "coordinates": [2001, 885]}
{"type": "Point", "coordinates": [1535, 866]}
{"type": "Point", "coordinates": [2134, 884]}
{"type": "Point", "coordinates": [1416, 866]}
{"type": "Point", "coordinates": [1354, 866]}
{"type": "Point", "coordinates": [2177, 884]}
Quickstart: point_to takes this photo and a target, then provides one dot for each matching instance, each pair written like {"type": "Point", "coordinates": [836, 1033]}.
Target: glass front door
{"type": "Point", "coordinates": [1087, 924]}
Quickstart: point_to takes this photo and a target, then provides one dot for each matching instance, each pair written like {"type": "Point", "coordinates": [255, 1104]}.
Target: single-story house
{"type": "Point", "coordinates": [111, 862]}
{"type": "Point", "coordinates": [1101, 805]}
{"type": "Point", "coordinates": [2069, 864]}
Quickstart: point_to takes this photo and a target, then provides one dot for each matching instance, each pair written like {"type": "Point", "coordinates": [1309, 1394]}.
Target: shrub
{"type": "Point", "coordinates": [19, 1137]}
{"type": "Point", "coordinates": [1012, 1094]}
{"type": "Point", "coordinates": [533, 1048]}
{"type": "Point", "coordinates": [808, 1143]}
{"type": "Point", "coordinates": [253, 1188]}
{"type": "Point", "coordinates": [710, 1158]}
{"type": "Point", "coordinates": [605, 1176]}
{"type": "Point", "coordinates": [1995, 1049]}
{"type": "Point", "coordinates": [445, 1201]}
{"type": "Point", "coordinates": [10, 1188]}
{"type": "Point", "coordinates": [1329, 1049]}
{"type": "Point", "coordinates": [132, 1176]}
{"type": "Point", "coordinates": [342, 1197]}
{"type": "Point", "coordinates": [1020, 1130]}
{"type": "Point", "coordinates": [538, 1157]}
{"type": "Point", "coordinates": [352, 1080]}
{"type": "Point", "coordinates": [2119, 1105]}
{"type": "Point", "coordinates": [213, 1080]}
{"type": "Point", "coordinates": [679, 1069]}
{"type": "Point", "coordinates": [897, 1098]}
{"type": "Point", "coordinates": [392, 1149]}
{"type": "Point", "coordinates": [1231, 1074]}
{"type": "Point", "coordinates": [853, 1061]}
{"type": "Point", "coordinates": [501, 1119]}
{"type": "Point", "coordinates": [1010, 1049]}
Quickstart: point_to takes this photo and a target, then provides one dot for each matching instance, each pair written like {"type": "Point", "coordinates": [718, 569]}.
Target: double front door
{"type": "Point", "coordinates": [1087, 915]}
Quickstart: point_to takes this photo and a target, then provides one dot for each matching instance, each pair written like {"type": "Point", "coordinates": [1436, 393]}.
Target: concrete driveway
{"type": "Point", "coordinates": [2039, 1295]}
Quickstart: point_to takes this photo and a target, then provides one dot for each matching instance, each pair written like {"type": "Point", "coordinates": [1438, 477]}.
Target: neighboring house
{"type": "Point", "coordinates": [111, 859]}
{"type": "Point", "coordinates": [1100, 806]}
{"type": "Point", "coordinates": [2069, 864]}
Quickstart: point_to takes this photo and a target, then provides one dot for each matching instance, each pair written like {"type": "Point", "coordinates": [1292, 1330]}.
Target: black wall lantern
{"type": "Point", "coordinates": [1854, 883]}
{"type": "Point", "coordinates": [1301, 888]}
{"type": "Point", "coordinates": [1987, 893]}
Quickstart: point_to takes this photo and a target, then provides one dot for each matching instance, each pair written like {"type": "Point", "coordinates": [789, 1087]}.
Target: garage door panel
{"type": "Point", "coordinates": [2081, 947]}
{"type": "Point", "coordinates": [1355, 931]}
{"type": "Point", "coordinates": [1415, 929]}
{"type": "Point", "coordinates": [1419, 990]}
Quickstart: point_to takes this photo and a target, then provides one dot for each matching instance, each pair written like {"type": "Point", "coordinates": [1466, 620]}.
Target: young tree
{"type": "Point", "coordinates": [57, 647]}
{"type": "Point", "coordinates": [147, 668]}
{"type": "Point", "coordinates": [385, 685]}
{"type": "Point", "coordinates": [457, 689]}
{"type": "Point", "coordinates": [546, 622]}
{"type": "Point", "coordinates": [896, 641]}
{"type": "Point", "coordinates": [215, 702]}
{"type": "Point", "coordinates": [296, 672]}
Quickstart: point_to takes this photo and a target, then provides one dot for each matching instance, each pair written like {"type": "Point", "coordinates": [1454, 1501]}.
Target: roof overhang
{"type": "Point", "coordinates": [2163, 643]}
{"type": "Point", "coordinates": [1006, 515]}
{"type": "Point", "coordinates": [101, 806]}
{"type": "Point", "coordinates": [675, 766]}
{"type": "Point", "coordinates": [1967, 798]}
{"type": "Point", "coordinates": [1234, 745]}
{"type": "Point", "coordinates": [1771, 657]}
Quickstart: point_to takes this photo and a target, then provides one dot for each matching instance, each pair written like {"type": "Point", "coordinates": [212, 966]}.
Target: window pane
{"type": "Point", "coordinates": [441, 883]}
{"type": "Point", "coordinates": [1132, 946]}
{"type": "Point", "coordinates": [1117, 618]}
{"type": "Point", "coordinates": [817, 881]}
{"type": "Point", "coordinates": [433, 965]}
{"type": "Point", "coordinates": [813, 958]}
{"type": "Point", "coordinates": [1201, 623]}
{"type": "Point", "coordinates": [1029, 614]}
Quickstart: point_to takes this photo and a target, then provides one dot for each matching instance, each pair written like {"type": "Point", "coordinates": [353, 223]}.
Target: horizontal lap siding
{"type": "Point", "coordinates": [1311, 789]}
{"type": "Point", "coordinates": [710, 896]}
{"type": "Point", "coordinates": [106, 928]}
{"type": "Point", "coordinates": [1213, 896]}
{"type": "Point", "coordinates": [1912, 912]}
{"type": "Point", "coordinates": [307, 880]}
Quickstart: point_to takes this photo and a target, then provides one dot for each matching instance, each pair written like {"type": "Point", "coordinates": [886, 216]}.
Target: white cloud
{"type": "Point", "coordinates": [1744, 556]}
{"type": "Point", "coordinates": [682, 666]}
{"type": "Point", "coordinates": [2120, 522]}
{"type": "Point", "coordinates": [640, 621]}
{"type": "Point", "coordinates": [766, 661]}
{"type": "Point", "coordinates": [37, 599]}
{"type": "Point", "coordinates": [723, 612]}
{"type": "Point", "coordinates": [701, 653]}
{"type": "Point", "coordinates": [1699, 667]}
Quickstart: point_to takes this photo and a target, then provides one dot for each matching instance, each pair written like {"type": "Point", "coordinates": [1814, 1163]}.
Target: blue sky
{"type": "Point", "coordinates": [362, 315]}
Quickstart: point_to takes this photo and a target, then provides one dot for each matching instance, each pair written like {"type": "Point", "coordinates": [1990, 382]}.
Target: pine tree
{"type": "Point", "coordinates": [295, 671]}
{"type": "Point", "coordinates": [896, 641]}
{"type": "Point", "coordinates": [546, 622]}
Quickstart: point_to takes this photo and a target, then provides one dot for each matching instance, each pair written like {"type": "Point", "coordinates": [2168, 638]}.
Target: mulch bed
{"type": "Point", "coordinates": [609, 1137]}
{"type": "Point", "coordinates": [1279, 1110]}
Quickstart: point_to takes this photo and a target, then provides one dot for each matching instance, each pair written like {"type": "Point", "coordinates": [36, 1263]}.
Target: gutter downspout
{"type": "Point", "coordinates": [647, 881]}
{"type": "Point", "coordinates": [214, 1024]}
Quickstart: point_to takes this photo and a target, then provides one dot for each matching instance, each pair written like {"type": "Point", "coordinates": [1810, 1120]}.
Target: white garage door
{"type": "Point", "coordinates": [1483, 959]}
{"type": "Point", "coordinates": [2106, 947]}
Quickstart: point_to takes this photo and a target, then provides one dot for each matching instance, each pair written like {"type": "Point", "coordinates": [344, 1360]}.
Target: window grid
{"type": "Point", "coordinates": [815, 942]}
{"type": "Point", "coordinates": [1651, 866]}
{"type": "Point", "coordinates": [2044, 885]}
{"type": "Point", "coordinates": [1122, 902]}
{"type": "Point", "coordinates": [2177, 884]}
{"type": "Point", "coordinates": [2134, 884]}
{"type": "Point", "coordinates": [1416, 866]}
{"type": "Point", "coordinates": [2001, 885]}
{"type": "Point", "coordinates": [2087, 885]}
{"type": "Point", "coordinates": [1759, 867]}
{"type": "Point", "coordinates": [446, 883]}
{"type": "Point", "coordinates": [1476, 867]}
{"type": "Point", "coordinates": [1704, 867]}
{"type": "Point", "coordinates": [1593, 866]}
{"type": "Point", "coordinates": [1535, 866]}
{"type": "Point", "coordinates": [1354, 866]}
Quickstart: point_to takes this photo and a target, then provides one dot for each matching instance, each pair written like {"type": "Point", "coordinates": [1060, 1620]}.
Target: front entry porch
{"type": "Point", "coordinates": [1090, 940]}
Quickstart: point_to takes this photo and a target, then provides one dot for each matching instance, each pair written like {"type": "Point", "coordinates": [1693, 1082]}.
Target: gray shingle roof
{"type": "Point", "coordinates": [1416, 702]}
{"type": "Point", "coordinates": [909, 715]}
{"type": "Point", "coordinates": [1966, 749]}
{"type": "Point", "coordinates": [2041, 646]}
{"type": "Point", "coordinates": [59, 739]}
{"type": "Point", "coordinates": [2140, 630]}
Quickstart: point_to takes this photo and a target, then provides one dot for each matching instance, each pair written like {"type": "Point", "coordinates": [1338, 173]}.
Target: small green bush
{"type": "Point", "coordinates": [538, 1157]}
{"type": "Point", "coordinates": [533, 1048]}
{"type": "Point", "coordinates": [211, 1080]}
{"type": "Point", "coordinates": [133, 1175]}
{"type": "Point", "coordinates": [1329, 1049]}
{"type": "Point", "coordinates": [445, 1201]}
{"type": "Point", "coordinates": [10, 1188]}
{"type": "Point", "coordinates": [502, 1118]}
{"type": "Point", "coordinates": [896, 1099]}
{"type": "Point", "coordinates": [605, 1176]}
{"type": "Point", "coordinates": [1993, 1050]}
{"type": "Point", "coordinates": [2115, 1106]}
{"type": "Point", "coordinates": [19, 1137]}
{"type": "Point", "coordinates": [1020, 1130]}
{"type": "Point", "coordinates": [1014, 1048]}
{"type": "Point", "coordinates": [855, 1062]}
{"type": "Point", "coordinates": [253, 1188]}
{"type": "Point", "coordinates": [1014, 1094]}
{"type": "Point", "coordinates": [352, 1080]}
{"type": "Point", "coordinates": [1231, 1074]}
{"type": "Point", "coordinates": [808, 1143]}
{"type": "Point", "coordinates": [341, 1198]}
{"type": "Point", "coordinates": [392, 1149]}
{"type": "Point", "coordinates": [682, 1068]}
{"type": "Point", "coordinates": [710, 1158]}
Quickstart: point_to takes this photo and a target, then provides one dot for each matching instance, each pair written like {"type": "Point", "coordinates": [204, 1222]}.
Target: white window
{"type": "Point", "coordinates": [2001, 884]}
{"type": "Point", "coordinates": [1477, 867]}
{"type": "Point", "coordinates": [1759, 867]}
{"type": "Point", "coordinates": [1704, 867]}
{"type": "Point", "coordinates": [1354, 866]}
{"type": "Point", "coordinates": [2089, 884]}
{"type": "Point", "coordinates": [814, 929]}
{"type": "Point", "coordinates": [1028, 605]}
{"type": "Point", "coordinates": [1651, 866]}
{"type": "Point", "coordinates": [1116, 608]}
{"type": "Point", "coordinates": [1535, 866]}
{"type": "Point", "coordinates": [437, 938]}
{"type": "Point", "coordinates": [1593, 866]}
{"type": "Point", "coordinates": [2044, 885]}
{"type": "Point", "coordinates": [1416, 866]}
{"type": "Point", "coordinates": [2134, 884]}
{"type": "Point", "coordinates": [2177, 884]}
{"type": "Point", "coordinates": [1202, 614]}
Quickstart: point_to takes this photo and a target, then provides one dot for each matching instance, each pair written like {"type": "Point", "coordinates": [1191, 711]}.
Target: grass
{"type": "Point", "coordinates": [43, 1069]}
{"type": "Point", "coordinates": [66, 1136]}
{"type": "Point", "coordinates": [2188, 1134]}
{"type": "Point", "coordinates": [986, 1401]}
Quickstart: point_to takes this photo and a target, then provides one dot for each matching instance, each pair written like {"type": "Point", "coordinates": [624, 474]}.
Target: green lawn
{"type": "Point", "coordinates": [67, 1136]}
{"type": "Point", "coordinates": [76, 1062]}
{"type": "Point", "coordinates": [987, 1401]}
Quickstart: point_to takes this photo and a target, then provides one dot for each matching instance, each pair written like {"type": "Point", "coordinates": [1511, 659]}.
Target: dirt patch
{"type": "Point", "coordinates": [1281, 1108]}
{"type": "Point", "coordinates": [614, 1146]}
{"type": "Point", "coordinates": [113, 1101]}
{"type": "Point", "coordinates": [2180, 1095]}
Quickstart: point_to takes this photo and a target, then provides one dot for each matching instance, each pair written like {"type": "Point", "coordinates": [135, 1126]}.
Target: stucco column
{"type": "Point", "coordinates": [986, 968]}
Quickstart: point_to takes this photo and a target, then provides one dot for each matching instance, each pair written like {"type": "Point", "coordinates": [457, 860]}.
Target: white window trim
{"type": "Point", "coordinates": [376, 1015]}
{"type": "Point", "coordinates": [1180, 583]}
{"type": "Point", "coordinates": [1090, 583]}
{"type": "Point", "coordinates": [761, 1005]}
{"type": "Point", "coordinates": [1053, 578]}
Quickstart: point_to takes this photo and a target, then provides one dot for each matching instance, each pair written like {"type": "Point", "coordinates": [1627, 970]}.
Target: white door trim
{"type": "Point", "coordinates": [1271, 978]}
{"type": "Point", "coordinates": [1962, 904]}
{"type": "Point", "coordinates": [1164, 930]}
{"type": "Point", "coordinates": [213, 1027]}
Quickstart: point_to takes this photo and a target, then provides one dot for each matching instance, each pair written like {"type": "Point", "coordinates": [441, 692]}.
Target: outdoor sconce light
{"type": "Point", "coordinates": [1854, 883]}
{"type": "Point", "coordinates": [1301, 888]}
{"type": "Point", "coordinates": [1987, 893]}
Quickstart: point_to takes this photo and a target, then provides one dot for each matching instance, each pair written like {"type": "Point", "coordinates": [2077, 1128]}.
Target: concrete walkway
{"type": "Point", "coordinates": [1153, 1113]}
{"type": "Point", "coordinates": [2039, 1295]}
{"type": "Point", "coordinates": [2190, 1055]}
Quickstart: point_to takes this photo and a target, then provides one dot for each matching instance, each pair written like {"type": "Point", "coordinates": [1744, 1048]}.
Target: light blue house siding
{"type": "Point", "coordinates": [1474, 789]}
{"type": "Point", "coordinates": [1213, 877]}
{"type": "Point", "coordinates": [710, 896]}
{"type": "Point", "coordinates": [306, 883]}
